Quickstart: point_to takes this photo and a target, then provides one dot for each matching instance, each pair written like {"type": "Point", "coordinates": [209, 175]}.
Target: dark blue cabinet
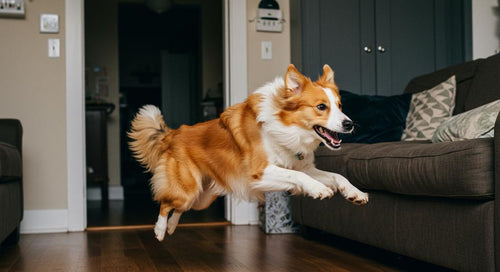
{"type": "Point", "coordinates": [377, 46]}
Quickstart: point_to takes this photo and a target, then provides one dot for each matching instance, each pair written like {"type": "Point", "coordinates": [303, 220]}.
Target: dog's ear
{"type": "Point", "coordinates": [294, 80]}
{"type": "Point", "coordinates": [328, 75]}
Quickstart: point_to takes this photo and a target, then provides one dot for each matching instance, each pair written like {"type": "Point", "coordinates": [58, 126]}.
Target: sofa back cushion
{"type": "Point", "coordinates": [464, 75]}
{"type": "Point", "coordinates": [485, 86]}
{"type": "Point", "coordinates": [478, 82]}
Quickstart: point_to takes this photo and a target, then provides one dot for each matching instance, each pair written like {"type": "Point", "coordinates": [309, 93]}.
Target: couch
{"type": "Point", "coordinates": [11, 181]}
{"type": "Point", "coordinates": [434, 202]}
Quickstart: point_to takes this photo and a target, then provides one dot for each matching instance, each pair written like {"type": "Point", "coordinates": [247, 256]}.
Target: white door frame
{"type": "Point", "coordinates": [236, 90]}
{"type": "Point", "coordinates": [235, 79]}
{"type": "Point", "coordinates": [75, 114]}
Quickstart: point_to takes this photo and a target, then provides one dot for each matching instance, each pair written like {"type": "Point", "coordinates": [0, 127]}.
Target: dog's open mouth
{"type": "Point", "coordinates": [330, 138]}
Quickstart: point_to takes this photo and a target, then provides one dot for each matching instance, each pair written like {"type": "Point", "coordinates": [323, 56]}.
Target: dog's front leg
{"type": "Point", "coordinates": [338, 183]}
{"type": "Point", "coordinates": [281, 179]}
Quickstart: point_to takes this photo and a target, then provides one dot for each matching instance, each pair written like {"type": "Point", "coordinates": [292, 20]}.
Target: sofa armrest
{"type": "Point", "coordinates": [11, 132]}
{"type": "Point", "coordinates": [496, 220]}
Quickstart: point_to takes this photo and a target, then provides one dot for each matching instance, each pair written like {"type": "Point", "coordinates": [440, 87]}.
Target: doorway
{"type": "Point", "coordinates": [171, 59]}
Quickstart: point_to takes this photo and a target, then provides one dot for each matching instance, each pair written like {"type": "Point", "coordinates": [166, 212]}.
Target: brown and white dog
{"type": "Point", "coordinates": [264, 144]}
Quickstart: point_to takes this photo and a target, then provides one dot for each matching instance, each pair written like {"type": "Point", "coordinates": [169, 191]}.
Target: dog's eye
{"type": "Point", "coordinates": [321, 107]}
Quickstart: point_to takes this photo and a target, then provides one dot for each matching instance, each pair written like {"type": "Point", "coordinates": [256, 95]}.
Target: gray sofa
{"type": "Point", "coordinates": [434, 202]}
{"type": "Point", "coordinates": [11, 191]}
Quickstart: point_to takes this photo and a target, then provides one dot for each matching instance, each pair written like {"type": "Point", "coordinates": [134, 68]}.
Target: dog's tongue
{"type": "Point", "coordinates": [333, 138]}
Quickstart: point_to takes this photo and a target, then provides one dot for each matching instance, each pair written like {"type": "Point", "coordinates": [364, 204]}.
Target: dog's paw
{"type": "Point", "coordinates": [319, 191]}
{"type": "Point", "coordinates": [355, 196]}
{"type": "Point", "coordinates": [161, 227]}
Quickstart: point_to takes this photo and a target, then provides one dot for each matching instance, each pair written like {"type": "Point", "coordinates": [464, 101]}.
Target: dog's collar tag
{"type": "Point", "coordinates": [299, 156]}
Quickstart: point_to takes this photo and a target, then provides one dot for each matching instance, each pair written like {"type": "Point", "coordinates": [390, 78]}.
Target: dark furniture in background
{"type": "Point", "coordinates": [11, 180]}
{"type": "Point", "coordinates": [435, 202]}
{"type": "Point", "coordinates": [97, 146]}
{"type": "Point", "coordinates": [377, 46]}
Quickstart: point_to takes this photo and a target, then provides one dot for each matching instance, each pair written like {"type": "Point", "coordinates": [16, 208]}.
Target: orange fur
{"type": "Point", "coordinates": [193, 155]}
{"type": "Point", "coordinates": [193, 164]}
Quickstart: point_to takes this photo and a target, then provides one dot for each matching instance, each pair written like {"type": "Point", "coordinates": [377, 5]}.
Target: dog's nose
{"type": "Point", "coordinates": [347, 124]}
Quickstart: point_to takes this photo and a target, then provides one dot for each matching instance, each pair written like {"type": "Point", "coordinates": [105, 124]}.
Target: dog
{"type": "Point", "coordinates": [263, 144]}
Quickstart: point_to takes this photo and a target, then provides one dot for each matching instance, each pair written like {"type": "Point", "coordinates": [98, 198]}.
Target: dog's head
{"type": "Point", "coordinates": [314, 106]}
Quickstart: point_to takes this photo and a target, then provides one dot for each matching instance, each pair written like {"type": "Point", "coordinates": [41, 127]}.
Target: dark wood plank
{"type": "Point", "coordinates": [218, 248]}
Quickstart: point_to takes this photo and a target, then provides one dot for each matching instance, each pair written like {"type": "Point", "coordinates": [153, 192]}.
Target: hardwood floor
{"type": "Point", "coordinates": [223, 248]}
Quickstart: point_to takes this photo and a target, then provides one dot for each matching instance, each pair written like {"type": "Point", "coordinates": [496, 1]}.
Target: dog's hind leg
{"type": "Point", "coordinates": [204, 200]}
{"type": "Point", "coordinates": [161, 224]}
{"type": "Point", "coordinates": [173, 221]}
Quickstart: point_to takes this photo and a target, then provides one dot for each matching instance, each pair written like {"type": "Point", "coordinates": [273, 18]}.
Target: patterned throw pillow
{"type": "Point", "coordinates": [476, 123]}
{"type": "Point", "coordinates": [428, 109]}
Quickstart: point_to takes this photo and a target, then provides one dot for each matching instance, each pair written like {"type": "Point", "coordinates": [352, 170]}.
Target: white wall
{"type": "Point", "coordinates": [485, 28]}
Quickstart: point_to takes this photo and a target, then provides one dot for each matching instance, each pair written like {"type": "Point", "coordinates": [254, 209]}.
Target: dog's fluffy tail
{"type": "Point", "coordinates": [147, 133]}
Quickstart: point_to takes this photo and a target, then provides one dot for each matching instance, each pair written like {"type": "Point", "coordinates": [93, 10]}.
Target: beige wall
{"type": "Point", "coordinates": [101, 50]}
{"type": "Point", "coordinates": [32, 89]}
{"type": "Point", "coordinates": [261, 71]}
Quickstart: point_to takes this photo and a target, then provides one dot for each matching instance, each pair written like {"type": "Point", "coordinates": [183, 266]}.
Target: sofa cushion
{"type": "Point", "coordinates": [428, 109]}
{"type": "Point", "coordinates": [10, 162]}
{"type": "Point", "coordinates": [476, 123]}
{"type": "Point", "coordinates": [461, 169]}
{"type": "Point", "coordinates": [451, 169]}
{"type": "Point", "coordinates": [336, 160]}
{"type": "Point", "coordinates": [485, 85]}
{"type": "Point", "coordinates": [464, 75]}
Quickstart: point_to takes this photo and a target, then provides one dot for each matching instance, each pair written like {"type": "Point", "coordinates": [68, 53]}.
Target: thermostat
{"type": "Point", "coordinates": [49, 23]}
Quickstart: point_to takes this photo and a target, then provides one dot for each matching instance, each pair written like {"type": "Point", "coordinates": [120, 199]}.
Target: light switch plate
{"type": "Point", "coordinates": [266, 50]}
{"type": "Point", "coordinates": [54, 48]}
{"type": "Point", "coordinates": [49, 23]}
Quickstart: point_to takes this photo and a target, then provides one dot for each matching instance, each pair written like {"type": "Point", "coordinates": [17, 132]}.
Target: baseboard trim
{"type": "Point", "coordinates": [115, 193]}
{"type": "Point", "coordinates": [44, 221]}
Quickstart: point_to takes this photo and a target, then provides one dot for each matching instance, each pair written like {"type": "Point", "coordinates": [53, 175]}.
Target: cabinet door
{"type": "Point", "coordinates": [417, 37]}
{"type": "Point", "coordinates": [402, 38]}
{"type": "Point", "coordinates": [331, 34]}
{"type": "Point", "coordinates": [405, 42]}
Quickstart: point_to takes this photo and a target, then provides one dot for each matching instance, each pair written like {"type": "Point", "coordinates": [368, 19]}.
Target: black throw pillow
{"type": "Point", "coordinates": [376, 118]}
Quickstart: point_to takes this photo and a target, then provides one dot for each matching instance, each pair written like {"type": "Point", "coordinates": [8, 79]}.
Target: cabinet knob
{"type": "Point", "coordinates": [367, 49]}
{"type": "Point", "coordinates": [381, 49]}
